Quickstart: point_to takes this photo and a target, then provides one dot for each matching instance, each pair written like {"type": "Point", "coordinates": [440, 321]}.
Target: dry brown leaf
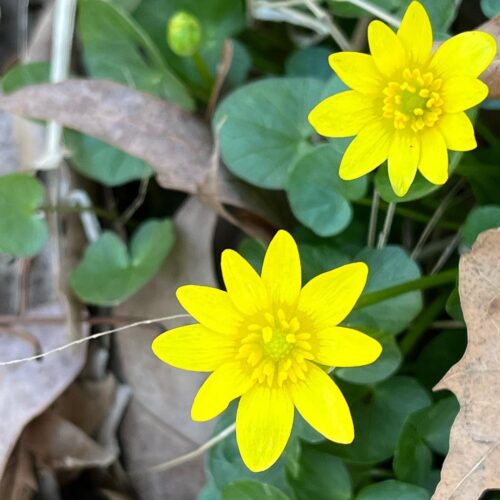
{"type": "Point", "coordinates": [492, 75]}
{"type": "Point", "coordinates": [18, 481]}
{"type": "Point", "coordinates": [473, 462]}
{"type": "Point", "coordinates": [177, 144]}
{"type": "Point", "coordinates": [156, 427]}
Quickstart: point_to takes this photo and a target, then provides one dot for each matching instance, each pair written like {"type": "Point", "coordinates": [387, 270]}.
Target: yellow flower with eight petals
{"type": "Point", "coordinates": [406, 104]}
{"type": "Point", "coordinates": [264, 339]}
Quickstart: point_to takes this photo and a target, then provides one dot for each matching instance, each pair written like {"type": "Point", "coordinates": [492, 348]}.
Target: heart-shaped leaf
{"type": "Point", "coordinates": [110, 273]}
{"type": "Point", "coordinates": [23, 230]}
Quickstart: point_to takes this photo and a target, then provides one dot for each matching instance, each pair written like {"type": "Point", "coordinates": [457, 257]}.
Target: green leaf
{"type": "Point", "coordinates": [453, 307]}
{"type": "Point", "coordinates": [343, 8]}
{"type": "Point", "coordinates": [253, 251]}
{"type": "Point", "coordinates": [304, 431]}
{"type": "Point", "coordinates": [318, 197]}
{"type": "Point", "coordinates": [393, 490]}
{"type": "Point", "coordinates": [424, 431]}
{"type": "Point", "coordinates": [25, 74]}
{"type": "Point", "coordinates": [388, 266]}
{"type": "Point", "coordinates": [491, 8]}
{"type": "Point", "coordinates": [439, 355]}
{"type": "Point", "coordinates": [442, 13]}
{"type": "Point", "coordinates": [115, 47]}
{"type": "Point", "coordinates": [321, 476]}
{"type": "Point", "coordinates": [418, 189]}
{"type": "Point", "coordinates": [379, 413]}
{"type": "Point", "coordinates": [109, 273]}
{"type": "Point", "coordinates": [252, 490]}
{"type": "Point", "coordinates": [103, 163]}
{"type": "Point", "coordinates": [385, 366]}
{"type": "Point", "coordinates": [265, 128]}
{"type": "Point", "coordinates": [480, 219]}
{"type": "Point", "coordinates": [23, 230]}
{"type": "Point", "coordinates": [312, 61]}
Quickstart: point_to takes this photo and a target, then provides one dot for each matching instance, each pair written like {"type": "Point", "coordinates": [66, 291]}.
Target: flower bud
{"type": "Point", "coordinates": [184, 34]}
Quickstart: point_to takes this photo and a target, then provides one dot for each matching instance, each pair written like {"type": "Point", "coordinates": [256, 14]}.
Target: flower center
{"type": "Point", "coordinates": [414, 101]}
{"type": "Point", "coordinates": [275, 349]}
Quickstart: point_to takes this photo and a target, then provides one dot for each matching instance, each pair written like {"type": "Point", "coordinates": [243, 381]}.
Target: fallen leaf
{"type": "Point", "coordinates": [492, 75]}
{"type": "Point", "coordinates": [177, 144]}
{"type": "Point", "coordinates": [156, 427]}
{"type": "Point", "coordinates": [473, 461]}
{"type": "Point", "coordinates": [18, 481]}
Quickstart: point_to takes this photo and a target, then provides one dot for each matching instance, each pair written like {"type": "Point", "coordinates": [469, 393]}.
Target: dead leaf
{"type": "Point", "coordinates": [473, 461]}
{"type": "Point", "coordinates": [18, 481]}
{"type": "Point", "coordinates": [177, 144]}
{"type": "Point", "coordinates": [492, 75]}
{"type": "Point", "coordinates": [157, 426]}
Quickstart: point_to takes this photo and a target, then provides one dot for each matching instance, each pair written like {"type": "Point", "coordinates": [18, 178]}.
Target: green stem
{"type": "Point", "coordinates": [424, 283]}
{"type": "Point", "coordinates": [203, 70]}
{"type": "Point", "coordinates": [410, 214]}
{"type": "Point", "coordinates": [422, 323]}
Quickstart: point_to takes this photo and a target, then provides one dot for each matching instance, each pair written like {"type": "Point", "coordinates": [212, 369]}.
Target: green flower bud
{"type": "Point", "coordinates": [184, 34]}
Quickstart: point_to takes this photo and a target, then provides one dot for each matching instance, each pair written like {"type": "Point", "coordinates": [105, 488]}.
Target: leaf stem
{"type": "Point", "coordinates": [372, 228]}
{"type": "Point", "coordinates": [78, 209]}
{"type": "Point", "coordinates": [376, 11]}
{"type": "Point", "coordinates": [389, 217]}
{"type": "Point", "coordinates": [424, 283]}
{"type": "Point", "coordinates": [203, 70]}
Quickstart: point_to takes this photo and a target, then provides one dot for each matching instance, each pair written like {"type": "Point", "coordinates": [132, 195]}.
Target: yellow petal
{"type": "Point", "coordinates": [194, 348]}
{"type": "Point", "coordinates": [345, 347]}
{"type": "Point", "coordinates": [403, 161]}
{"type": "Point", "coordinates": [342, 115]}
{"type": "Point", "coordinates": [211, 307]}
{"type": "Point", "coordinates": [462, 92]}
{"type": "Point", "coordinates": [368, 150]}
{"type": "Point", "coordinates": [357, 71]}
{"type": "Point", "coordinates": [386, 48]}
{"type": "Point", "coordinates": [458, 132]}
{"type": "Point", "coordinates": [263, 426]}
{"type": "Point", "coordinates": [245, 288]}
{"type": "Point", "coordinates": [466, 54]}
{"type": "Point", "coordinates": [320, 402]}
{"type": "Point", "coordinates": [281, 271]}
{"type": "Point", "coordinates": [225, 384]}
{"type": "Point", "coordinates": [433, 163]}
{"type": "Point", "coordinates": [328, 298]}
{"type": "Point", "coordinates": [415, 34]}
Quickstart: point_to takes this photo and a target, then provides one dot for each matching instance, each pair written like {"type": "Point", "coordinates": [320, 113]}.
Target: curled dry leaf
{"type": "Point", "coordinates": [473, 461]}
{"type": "Point", "coordinates": [177, 144]}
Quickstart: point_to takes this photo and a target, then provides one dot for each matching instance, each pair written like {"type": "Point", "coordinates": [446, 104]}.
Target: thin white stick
{"type": "Point", "coordinates": [376, 11]}
{"type": "Point", "coordinates": [191, 455]}
{"type": "Point", "coordinates": [372, 229]}
{"type": "Point", "coordinates": [92, 337]}
{"type": "Point", "coordinates": [62, 37]}
{"type": "Point", "coordinates": [384, 235]}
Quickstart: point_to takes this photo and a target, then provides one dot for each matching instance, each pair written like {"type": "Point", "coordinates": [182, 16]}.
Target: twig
{"type": "Point", "coordinates": [91, 337]}
{"type": "Point", "coordinates": [136, 204]}
{"type": "Point", "coordinates": [222, 70]}
{"type": "Point", "coordinates": [22, 29]}
{"type": "Point", "coordinates": [438, 213]}
{"type": "Point", "coordinates": [358, 38]}
{"type": "Point", "coordinates": [450, 248]}
{"type": "Point", "coordinates": [372, 229]}
{"type": "Point", "coordinates": [384, 235]}
{"type": "Point", "coordinates": [191, 455]}
{"type": "Point", "coordinates": [88, 218]}
{"type": "Point", "coordinates": [376, 11]}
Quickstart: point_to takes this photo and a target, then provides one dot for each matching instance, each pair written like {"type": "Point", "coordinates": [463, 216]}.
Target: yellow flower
{"type": "Point", "coordinates": [265, 339]}
{"type": "Point", "coordinates": [406, 103]}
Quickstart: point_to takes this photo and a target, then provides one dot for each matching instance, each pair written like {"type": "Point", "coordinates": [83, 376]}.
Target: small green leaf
{"type": "Point", "coordinates": [453, 307]}
{"type": "Point", "coordinates": [480, 219]}
{"type": "Point", "coordinates": [491, 8]}
{"type": "Point", "coordinates": [442, 13]}
{"type": "Point", "coordinates": [439, 355]}
{"type": "Point", "coordinates": [393, 490]}
{"type": "Point", "coordinates": [252, 490]}
{"type": "Point", "coordinates": [388, 266]}
{"type": "Point", "coordinates": [23, 230]}
{"type": "Point", "coordinates": [379, 413]}
{"type": "Point", "coordinates": [265, 128]}
{"type": "Point", "coordinates": [109, 273]}
{"type": "Point", "coordinates": [116, 47]}
{"type": "Point", "coordinates": [385, 366]}
{"type": "Point", "coordinates": [312, 61]}
{"type": "Point", "coordinates": [25, 74]}
{"type": "Point", "coordinates": [320, 476]}
{"type": "Point", "coordinates": [103, 163]}
{"type": "Point", "coordinates": [319, 198]}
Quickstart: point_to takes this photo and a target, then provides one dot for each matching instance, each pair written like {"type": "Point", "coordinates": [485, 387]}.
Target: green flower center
{"type": "Point", "coordinates": [414, 101]}
{"type": "Point", "coordinates": [279, 346]}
